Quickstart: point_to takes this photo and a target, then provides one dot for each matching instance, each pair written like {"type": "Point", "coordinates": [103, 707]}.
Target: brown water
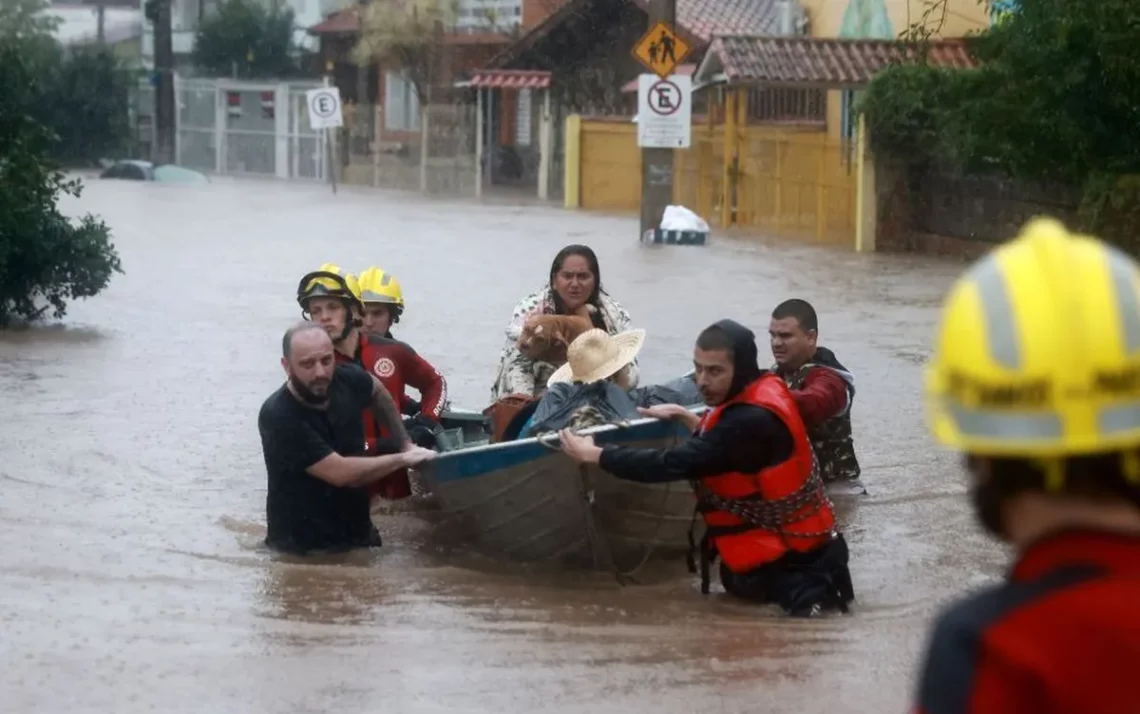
{"type": "Point", "coordinates": [132, 506]}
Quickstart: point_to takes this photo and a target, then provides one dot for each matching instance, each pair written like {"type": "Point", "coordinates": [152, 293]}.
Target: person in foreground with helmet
{"type": "Point", "coordinates": [757, 485]}
{"type": "Point", "coordinates": [1035, 377]}
{"type": "Point", "coordinates": [312, 438]}
{"type": "Point", "coordinates": [383, 301]}
{"type": "Point", "coordinates": [824, 390]}
{"type": "Point", "coordinates": [331, 298]}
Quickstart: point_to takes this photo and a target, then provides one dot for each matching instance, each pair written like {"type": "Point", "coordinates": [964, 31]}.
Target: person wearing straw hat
{"type": "Point", "coordinates": [596, 355]}
{"type": "Point", "coordinates": [755, 476]}
{"type": "Point", "coordinates": [1035, 380]}
{"type": "Point", "coordinates": [595, 378]}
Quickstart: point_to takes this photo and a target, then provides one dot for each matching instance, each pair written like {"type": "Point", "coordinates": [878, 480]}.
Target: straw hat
{"type": "Point", "coordinates": [596, 355]}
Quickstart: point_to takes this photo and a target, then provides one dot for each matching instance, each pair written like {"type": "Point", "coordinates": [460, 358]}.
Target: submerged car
{"type": "Point", "coordinates": [137, 170]}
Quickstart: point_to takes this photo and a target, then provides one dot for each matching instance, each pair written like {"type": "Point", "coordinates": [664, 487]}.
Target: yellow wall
{"type": "Point", "coordinates": [791, 183]}
{"type": "Point", "coordinates": [961, 16]}
{"type": "Point", "coordinates": [610, 174]}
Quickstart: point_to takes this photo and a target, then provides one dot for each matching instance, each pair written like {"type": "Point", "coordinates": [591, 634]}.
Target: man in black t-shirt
{"type": "Point", "coordinates": [312, 436]}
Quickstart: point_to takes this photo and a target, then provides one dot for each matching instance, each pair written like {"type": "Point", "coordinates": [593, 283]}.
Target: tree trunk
{"type": "Point", "coordinates": [425, 133]}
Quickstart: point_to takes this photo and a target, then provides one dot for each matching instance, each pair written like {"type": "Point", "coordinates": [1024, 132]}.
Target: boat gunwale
{"type": "Point", "coordinates": [549, 440]}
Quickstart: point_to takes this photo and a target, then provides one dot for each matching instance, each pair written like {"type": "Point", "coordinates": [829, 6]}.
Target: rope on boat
{"type": "Point", "coordinates": [592, 532]}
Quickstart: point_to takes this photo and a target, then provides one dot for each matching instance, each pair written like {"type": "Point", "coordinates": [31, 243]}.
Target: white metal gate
{"type": "Point", "coordinates": [227, 126]}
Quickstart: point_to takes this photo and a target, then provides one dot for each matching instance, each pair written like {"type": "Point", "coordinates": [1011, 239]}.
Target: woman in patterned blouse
{"type": "Point", "coordinates": [575, 280]}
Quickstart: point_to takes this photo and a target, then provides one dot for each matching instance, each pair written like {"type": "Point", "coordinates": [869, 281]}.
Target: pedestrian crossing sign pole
{"type": "Point", "coordinates": [661, 49]}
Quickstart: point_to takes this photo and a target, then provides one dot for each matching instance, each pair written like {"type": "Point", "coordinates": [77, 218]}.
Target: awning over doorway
{"type": "Point", "coordinates": [511, 79]}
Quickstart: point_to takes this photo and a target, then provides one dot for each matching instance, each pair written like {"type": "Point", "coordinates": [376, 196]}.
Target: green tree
{"type": "Point", "coordinates": [85, 101]}
{"type": "Point", "coordinates": [405, 35]}
{"type": "Point", "coordinates": [247, 38]}
{"type": "Point", "coordinates": [1069, 99]}
{"type": "Point", "coordinates": [82, 93]}
{"type": "Point", "coordinates": [1056, 96]}
{"type": "Point", "coordinates": [46, 259]}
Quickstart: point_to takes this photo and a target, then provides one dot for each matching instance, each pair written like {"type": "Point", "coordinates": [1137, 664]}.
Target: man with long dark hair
{"type": "Point", "coordinates": [767, 516]}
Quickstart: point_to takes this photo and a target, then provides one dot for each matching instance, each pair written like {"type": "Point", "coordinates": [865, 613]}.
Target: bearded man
{"type": "Point", "coordinates": [312, 437]}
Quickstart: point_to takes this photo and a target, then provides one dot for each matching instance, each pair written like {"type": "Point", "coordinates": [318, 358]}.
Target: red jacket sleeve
{"type": "Point", "coordinates": [424, 378]}
{"type": "Point", "coordinates": [822, 396]}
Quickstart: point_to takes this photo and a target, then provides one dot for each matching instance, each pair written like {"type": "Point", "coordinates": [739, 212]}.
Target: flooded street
{"type": "Point", "coordinates": [132, 578]}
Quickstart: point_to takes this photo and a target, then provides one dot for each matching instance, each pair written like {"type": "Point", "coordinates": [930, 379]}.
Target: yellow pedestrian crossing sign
{"type": "Point", "coordinates": [661, 50]}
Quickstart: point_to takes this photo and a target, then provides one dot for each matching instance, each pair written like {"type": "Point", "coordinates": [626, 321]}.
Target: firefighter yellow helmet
{"type": "Point", "coordinates": [328, 281]}
{"type": "Point", "coordinates": [1038, 350]}
{"type": "Point", "coordinates": [379, 287]}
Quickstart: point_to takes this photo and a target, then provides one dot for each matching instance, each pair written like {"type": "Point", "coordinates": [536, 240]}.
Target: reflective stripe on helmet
{"type": "Point", "coordinates": [369, 296]}
{"type": "Point", "coordinates": [1118, 419]}
{"type": "Point", "coordinates": [1123, 271]}
{"type": "Point", "coordinates": [1017, 427]}
{"type": "Point", "coordinates": [1001, 328]}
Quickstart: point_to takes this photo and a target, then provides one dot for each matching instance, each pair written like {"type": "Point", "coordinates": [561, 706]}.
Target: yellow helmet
{"type": "Point", "coordinates": [377, 286]}
{"type": "Point", "coordinates": [1038, 350]}
{"type": "Point", "coordinates": [328, 281]}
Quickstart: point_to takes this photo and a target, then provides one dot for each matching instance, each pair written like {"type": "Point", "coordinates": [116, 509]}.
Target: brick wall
{"type": "Point", "coordinates": [941, 211]}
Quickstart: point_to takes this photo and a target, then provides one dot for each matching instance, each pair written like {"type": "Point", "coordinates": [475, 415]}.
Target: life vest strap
{"type": "Point", "coordinates": [757, 513]}
{"type": "Point", "coordinates": [707, 550]}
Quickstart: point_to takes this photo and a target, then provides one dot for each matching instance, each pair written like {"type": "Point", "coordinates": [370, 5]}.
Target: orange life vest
{"type": "Point", "coordinates": [779, 509]}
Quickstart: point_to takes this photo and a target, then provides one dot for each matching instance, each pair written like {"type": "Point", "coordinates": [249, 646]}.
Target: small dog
{"type": "Point", "coordinates": [545, 338]}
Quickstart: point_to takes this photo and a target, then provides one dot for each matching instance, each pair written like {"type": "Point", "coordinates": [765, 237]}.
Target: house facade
{"type": "Point", "coordinates": [775, 140]}
{"type": "Point", "coordinates": [481, 30]}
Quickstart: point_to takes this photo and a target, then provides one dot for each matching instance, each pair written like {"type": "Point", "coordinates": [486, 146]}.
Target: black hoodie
{"type": "Point", "coordinates": [746, 438]}
{"type": "Point", "coordinates": [745, 365]}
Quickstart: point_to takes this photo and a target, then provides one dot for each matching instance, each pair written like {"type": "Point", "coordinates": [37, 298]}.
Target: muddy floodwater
{"type": "Point", "coordinates": [132, 487]}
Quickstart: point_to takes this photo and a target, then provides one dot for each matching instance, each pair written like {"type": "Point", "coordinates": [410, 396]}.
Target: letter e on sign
{"type": "Point", "coordinates": [324, 108]}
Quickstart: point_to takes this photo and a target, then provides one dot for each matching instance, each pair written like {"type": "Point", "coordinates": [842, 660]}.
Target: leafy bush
{"type": "Point", "coordinates": [82, 93]}
{"type": "Point", "coordinates": [1056, 99]}
{"type": "Point", "coordinates": [905, 108]}
{"type": "Point", "coordinates": [45, 259]}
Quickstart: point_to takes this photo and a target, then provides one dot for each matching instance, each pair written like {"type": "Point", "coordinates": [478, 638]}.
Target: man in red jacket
{"type": "Point", "coordinates": [824, 391]}
{"type": "Point", "coordinates": [1035, 379]}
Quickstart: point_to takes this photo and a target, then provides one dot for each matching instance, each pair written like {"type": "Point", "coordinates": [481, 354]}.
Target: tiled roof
{"type": "Point", "coordinates": [704, 19]}
{"type": "Point", "coordinates": [697, 20]}
{"type": "Point", "coordinates": [345, 22]}
{"type": "Point", "coordinates": [511, 79]}
{"type": "Point", "coordinates": [817, 61]}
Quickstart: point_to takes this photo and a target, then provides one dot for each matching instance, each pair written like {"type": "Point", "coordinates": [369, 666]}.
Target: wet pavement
{"type": "Point", "coordinates": [131, 573]}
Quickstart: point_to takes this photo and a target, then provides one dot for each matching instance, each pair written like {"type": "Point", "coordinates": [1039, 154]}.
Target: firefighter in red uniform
{"type": "Point", "coordinates": [1036, 378]}
{"type": "Point", "coordinates": [383, 301]}
{"type": "Point", "coordinates": [755, 478]}
{"type": "Point", "coordinates": [332, 299]}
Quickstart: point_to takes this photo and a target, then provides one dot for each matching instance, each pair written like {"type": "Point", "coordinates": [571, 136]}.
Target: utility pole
{"type": "Point", "coordinates": [100, 22]}
{"type": "Point", "coordinates": [657, 164]}
{"type": "Point", "coordinates": [163, 152]}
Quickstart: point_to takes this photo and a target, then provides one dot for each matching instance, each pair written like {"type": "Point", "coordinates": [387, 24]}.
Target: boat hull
{"type": "Point", "coordinates": [526, 501]}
